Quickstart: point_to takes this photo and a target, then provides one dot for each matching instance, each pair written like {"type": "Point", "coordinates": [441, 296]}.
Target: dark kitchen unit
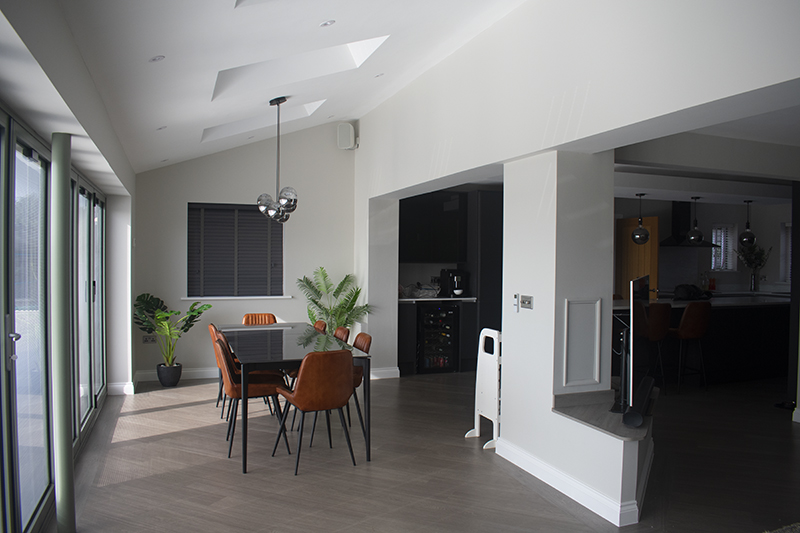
{"type": "Point", "coordinates": [452, 239]}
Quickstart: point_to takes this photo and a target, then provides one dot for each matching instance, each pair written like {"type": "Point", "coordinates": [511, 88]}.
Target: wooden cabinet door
{"type": "Point", "coordinates": [635, 260]}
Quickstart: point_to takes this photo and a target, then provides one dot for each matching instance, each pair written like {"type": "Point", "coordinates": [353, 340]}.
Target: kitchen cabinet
{"type": "Point", "coordinates": [433, 228]}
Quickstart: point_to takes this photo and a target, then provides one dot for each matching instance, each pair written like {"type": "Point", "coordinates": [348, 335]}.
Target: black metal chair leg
{"type": "Point", "coordinates": [347, 436]}
{"type": "Point", "coordinates": [680, 364]}
{"type": "Point", "coordinates": [233, 426]}
{"type": "Point", "coordinates": [328, 422]}
{"type": "Point", "coordinates": [282, 431]}
{"type": "Point", "coordinates": [299, 441]}
{"type": "Point", "coordinates": [313, 427]}
{"type": "Point", "coordinates": [219, 394]}
{"type": "Point", "coordinates": [349, 420]}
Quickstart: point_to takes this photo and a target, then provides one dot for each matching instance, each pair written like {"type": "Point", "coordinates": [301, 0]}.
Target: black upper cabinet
{"type": "Point", "coordinates": [433, 228]}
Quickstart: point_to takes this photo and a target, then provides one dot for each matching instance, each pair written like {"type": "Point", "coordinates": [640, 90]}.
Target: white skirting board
{"type": "Point", "coordinates": [120, 389]}
{"type": "Point", "coordinates": [618, 513]}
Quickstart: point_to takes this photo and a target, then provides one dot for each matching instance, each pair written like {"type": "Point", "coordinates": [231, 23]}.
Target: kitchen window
{"type": "Point", "coordinates": [723, 259]}
{"type": "Point", "coordinates": [233, 250]}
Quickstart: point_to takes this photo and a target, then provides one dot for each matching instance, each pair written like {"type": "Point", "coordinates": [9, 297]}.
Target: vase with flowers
{"type": "Point", "coordinates": [754, 258]}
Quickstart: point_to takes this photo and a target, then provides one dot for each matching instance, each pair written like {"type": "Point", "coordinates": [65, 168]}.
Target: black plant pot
{"type": "Point", "coordinates": [169, 376]}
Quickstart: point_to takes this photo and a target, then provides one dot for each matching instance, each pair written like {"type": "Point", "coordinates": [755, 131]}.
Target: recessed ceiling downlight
{"type": "Point", "coordinates": [327, 23]}
{"type": "Point", "coordinates": [156, 59]}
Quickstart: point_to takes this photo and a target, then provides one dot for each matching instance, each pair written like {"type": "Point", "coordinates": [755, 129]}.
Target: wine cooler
{"type": "Point", "coordinates": [437, 348]}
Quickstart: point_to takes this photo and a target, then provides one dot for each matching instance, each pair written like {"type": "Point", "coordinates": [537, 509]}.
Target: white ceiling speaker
{"type": "Point", "coordinates": [346, 136]}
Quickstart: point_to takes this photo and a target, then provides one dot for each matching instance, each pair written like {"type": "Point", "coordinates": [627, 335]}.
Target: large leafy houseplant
{"type": "Point", "coordinates": [336, 304]}
{"type": "Point", "coordinates": [152, 315]}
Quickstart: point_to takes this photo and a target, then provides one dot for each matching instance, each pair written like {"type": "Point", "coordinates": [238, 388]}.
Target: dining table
{"type": "Point", "coordinates": [282, 346]}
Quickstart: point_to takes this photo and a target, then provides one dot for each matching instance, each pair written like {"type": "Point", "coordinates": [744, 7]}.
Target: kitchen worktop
{"type": "Point", "coordinates": [729, 299]}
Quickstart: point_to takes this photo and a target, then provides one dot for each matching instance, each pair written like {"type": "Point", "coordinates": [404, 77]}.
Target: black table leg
{"type": "Point", "coordinates": [245, 379]}
{"type": "Point", "coordinates": [367, 405]}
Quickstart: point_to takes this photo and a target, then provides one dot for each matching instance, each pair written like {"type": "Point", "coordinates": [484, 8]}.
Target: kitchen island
{"type": "Point", "coordinates": [748, 338]}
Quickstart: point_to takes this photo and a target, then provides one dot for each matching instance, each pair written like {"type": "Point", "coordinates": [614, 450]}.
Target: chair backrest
{"type": "Point", "coordinates": [215, 333]}
{"type": "Point", "coordinates": [320, 326]}
{"type": "Point", "coordinates": [225, 364]}
{"type": "Point", "coordinates": [324, 381]}
{"type": "Point", "coordinates": [658, 320]}
{"type": "Point", "coordinates": [363, 342]}
{"type": "Point", "coordinates": [342, 333]}
{"type": "Point", "coordinates": [694, 321]}
{"type": "Point", "coordinates": [258, 319]}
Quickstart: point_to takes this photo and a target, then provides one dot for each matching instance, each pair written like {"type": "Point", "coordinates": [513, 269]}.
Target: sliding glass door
{"type": "Point", "coordinates": [28, 479]}
{"type": "Point", "coordinates": [89, 326]}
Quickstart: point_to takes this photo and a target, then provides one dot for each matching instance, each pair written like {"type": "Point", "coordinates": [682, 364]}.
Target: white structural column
{"type": "Point", "coordinates": [60, 324]}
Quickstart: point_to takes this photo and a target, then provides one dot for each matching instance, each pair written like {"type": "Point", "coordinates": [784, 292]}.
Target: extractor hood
{"type": "Point", "coordinates": [681, 224]}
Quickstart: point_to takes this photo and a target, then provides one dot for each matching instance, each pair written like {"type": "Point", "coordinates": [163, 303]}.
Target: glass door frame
{"type": "Point", "coordinates": [82, 424]}
{"type": "Point", "coordinates": [14, 134]}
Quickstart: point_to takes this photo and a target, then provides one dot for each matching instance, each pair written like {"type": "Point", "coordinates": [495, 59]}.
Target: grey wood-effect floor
{"type": "Point", "coordinates": [725, 460]}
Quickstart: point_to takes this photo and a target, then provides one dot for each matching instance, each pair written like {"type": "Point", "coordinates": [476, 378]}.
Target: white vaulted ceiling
{"type": "Point", "coordinates": [181, 79]}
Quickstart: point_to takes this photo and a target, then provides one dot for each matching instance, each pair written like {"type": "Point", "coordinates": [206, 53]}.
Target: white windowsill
{"type": "Point", "coordinates": [234, 298]}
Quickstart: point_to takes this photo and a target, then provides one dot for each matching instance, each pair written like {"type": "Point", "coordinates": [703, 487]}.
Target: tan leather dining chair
{"type": "Point", "coordinates": [265, 386]}
{"type": "Point", "coordinates": [342, 333]}
{"type": "Point", "coordinates": [320, 326]}
{"type": "Point", "coordinates": [324, 382]}
{"type": "Point", "coordinates": [216, 335]}
{"type": "Point", "coordinates": [258, 319]}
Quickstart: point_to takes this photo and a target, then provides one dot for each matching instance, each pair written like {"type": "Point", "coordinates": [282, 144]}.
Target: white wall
{"type": "Point", "coordinates": [319, 233]}
{"type": "Point", "coordinates": [580, 461]}
{"type": "Point", "coordinates": [119, 280]}
{"type": "Point", "coordinates": [590, 76]}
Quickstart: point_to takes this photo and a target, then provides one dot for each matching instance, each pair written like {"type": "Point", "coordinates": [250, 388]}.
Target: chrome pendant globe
{"type": "Point", "coordinates": [285, 201]}
{"type": "Point", "coordinates": [288, 199]}
{"type": "Point", "coordinates": [747, 239]}
{"type": "Point", "coordinates": [640, 235]}
{"type": "Point", "coordinates": [695, 236]}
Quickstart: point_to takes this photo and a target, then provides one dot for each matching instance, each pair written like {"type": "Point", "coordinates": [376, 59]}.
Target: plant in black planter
{"type": "Point", "coordinates": [336, 304]}
{"type": "Point", "coordinates": [152, 316]}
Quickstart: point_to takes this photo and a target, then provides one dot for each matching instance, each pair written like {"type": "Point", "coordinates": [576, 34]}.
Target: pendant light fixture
{"type": "Point", "coordinates": [747, 238]}
{"type": "Point", "coordinates": [640, 235]}
{"type": "Point", "coordinates": [285, 199]}
{"type": "Point", "coordinates": [694, 235]}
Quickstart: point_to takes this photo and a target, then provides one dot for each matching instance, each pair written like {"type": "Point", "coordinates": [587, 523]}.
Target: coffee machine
{"type": "Point", "coordinates": [453, 283]}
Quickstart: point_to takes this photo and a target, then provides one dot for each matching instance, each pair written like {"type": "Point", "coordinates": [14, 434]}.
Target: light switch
{"type": "Point", "coordinates": [525, 301]}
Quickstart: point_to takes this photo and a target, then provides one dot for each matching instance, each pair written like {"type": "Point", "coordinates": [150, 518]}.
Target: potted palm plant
{"type": "Point", "coordinates": [152, 315]}
{"type": "Point", "coordinates": [336, 304]}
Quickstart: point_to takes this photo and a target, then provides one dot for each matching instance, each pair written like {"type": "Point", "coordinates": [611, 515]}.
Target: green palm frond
{"type": "Point", "coordinates": [345, 284]}
{"type": "Point", "coordinates": [323, 281]}
{"type": "Point", "coordinates": [335, 304]}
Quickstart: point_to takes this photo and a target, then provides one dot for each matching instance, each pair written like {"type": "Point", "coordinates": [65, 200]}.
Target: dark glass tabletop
{"type": "Point", "coordinates": [276, 343]}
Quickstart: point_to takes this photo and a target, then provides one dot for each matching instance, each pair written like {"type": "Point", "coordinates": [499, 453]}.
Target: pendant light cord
{"type": "Point", "coordinates": [278, 158]}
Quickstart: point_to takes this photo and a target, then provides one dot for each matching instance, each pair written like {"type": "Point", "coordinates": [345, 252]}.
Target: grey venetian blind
{"type": "Point", "coordinates": [233, 250]}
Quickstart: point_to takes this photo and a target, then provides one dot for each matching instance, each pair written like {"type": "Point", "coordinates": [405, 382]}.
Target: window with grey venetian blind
{"type": "Point", "coordinates": [233, 250]}
{"type": "Point", "coordinates": [724, 257]}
